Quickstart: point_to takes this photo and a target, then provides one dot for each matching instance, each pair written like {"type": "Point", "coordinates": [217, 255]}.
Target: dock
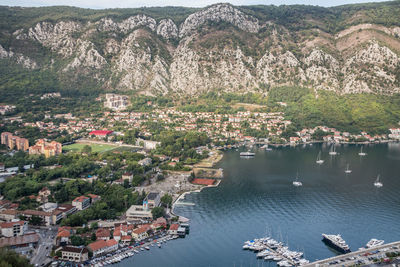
{"type": "Point", "coordinates": [361, 255]}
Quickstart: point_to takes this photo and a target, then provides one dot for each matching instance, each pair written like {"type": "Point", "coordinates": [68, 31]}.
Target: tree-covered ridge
{"type": "Point", "coordinates": [299, 16]}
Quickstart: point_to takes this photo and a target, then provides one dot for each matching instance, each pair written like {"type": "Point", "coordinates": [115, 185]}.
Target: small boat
{"type": "Point", "coordinates": [297, 183]}
{"type": "Point", "coordinates": [377, 182]}
{"type": "Point", "coordinates": [361, 153]}
{"type": "Point", "coordinates": [319, 160]}
{"type": "Point", "coordinates": [269, 257]}
{"type": "Point", "coordinates": [347, 169]}
{"type": "Point", "coordinates": [247, 154]}
{"type": "Point", "coordinates": [333, 151]}
{"type": "Point", "coordinates": [374, 243]}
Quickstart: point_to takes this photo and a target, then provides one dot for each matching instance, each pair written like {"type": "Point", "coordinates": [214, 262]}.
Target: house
{"type": "Point", "coordinates": [63, 236]}
{"type": "Point", "coordinates": [103, 234]}
{"type": "Point", "coordinates": [145, 162]}
{"type": "Point", "coordinates": [94, 198]}
{"type": "Point", "coordinates": [126, 239]}
{"type": "Point", "coordinates": [48, 207]}
{"type": "Point", "coordinates": [159, 223]}
{"type": "Point", "coordinates": [81, 202]}
{"type": "Point", "coordinates": [152, 200]}
{"type": "Point", "coordinates": [8, 215]}
{"type": "Point", "coordinates": [127, 176]}
{"type": "Point", "coordinates": [101, 246]}
{"type": "Point", "coordinates": [76, 254]}
{"type": "Point", "coordinates": [173, 229]}
{"type": "Point", "coordinates": [147, 144]}
{"type": "Point", "coordinates": [141, 232]}
{"type": "Point", "coordinates": [43, 195]}
{"type": "Point", "coordinates": [13, 228]}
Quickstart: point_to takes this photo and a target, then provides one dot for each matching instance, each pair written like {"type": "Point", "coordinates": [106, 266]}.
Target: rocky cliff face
{"type": "Point", "coordinates": [218, 48]}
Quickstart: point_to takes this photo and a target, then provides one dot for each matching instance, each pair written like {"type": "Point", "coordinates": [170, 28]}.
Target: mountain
{"type": "Point", "coordinates": [188, 51]}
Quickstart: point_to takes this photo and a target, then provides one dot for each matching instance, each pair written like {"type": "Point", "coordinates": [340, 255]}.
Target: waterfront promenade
{"type": "Point", "coordinates": [362, 256]}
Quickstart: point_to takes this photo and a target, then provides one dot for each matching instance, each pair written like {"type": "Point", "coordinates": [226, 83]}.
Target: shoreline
{"type": "Point", "coordinates": [181, 196]}
{"type": "Point", "coordinates": [336, 143]}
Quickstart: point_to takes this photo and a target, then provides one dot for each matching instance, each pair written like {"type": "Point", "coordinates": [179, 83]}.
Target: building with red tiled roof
{"type": "Point", "coordinates": [103, 233]}
{"type": "Point", "coordinates": [173, 229]}
{"type": "Point", "coordinates": [94, 197]}
{"type": "Point", "coordinates": [75, 254]}
{"type": "Point", "coordinates": [141, 232]}
{"type": "Point", "coordinates": [101, 246]}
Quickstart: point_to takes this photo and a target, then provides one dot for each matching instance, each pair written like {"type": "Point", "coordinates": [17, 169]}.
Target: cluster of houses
{"type": "Point", "coordinates": [333, 135]}
{"type": "Point", "coordinates": [4, 109]}
{"type": "Point", "coordinates": [108, 239]}
{"type": "Point", "coordinates": [42, 147]}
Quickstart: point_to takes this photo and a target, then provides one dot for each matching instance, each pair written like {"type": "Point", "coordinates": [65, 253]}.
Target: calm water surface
{"type": "Point", "coordinates": [257, 197]}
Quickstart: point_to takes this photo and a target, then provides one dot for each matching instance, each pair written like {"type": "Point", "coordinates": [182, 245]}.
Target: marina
{"type": "Point", "coordinates": [271, 250]}
{"type": "Point", "coordinates": [259, 192]}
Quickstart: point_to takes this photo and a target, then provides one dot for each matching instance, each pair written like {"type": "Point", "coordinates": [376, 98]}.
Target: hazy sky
{"type": "Point", "coordinates": [148, 3]}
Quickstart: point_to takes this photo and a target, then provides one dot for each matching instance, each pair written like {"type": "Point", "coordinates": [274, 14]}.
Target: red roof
{"type": "Point", "coordinates": [203, 181]}
{"type": "Point", "coordinates": [100, 132]}
{"type": "Point", "coordinates": [97, 245]}
{"type": "Point", "coordinates": [174, 227]}
{"type": "Point", "coordinates": [102, 232]}
{"type": "Point", "coordinates": [111, 242]}
{"type": "Point", "coordinates": [10, 224]}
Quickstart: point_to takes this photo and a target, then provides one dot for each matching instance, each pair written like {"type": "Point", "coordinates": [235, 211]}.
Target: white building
{"type": "Point", "coordinates": [14, 228]}
{"type": "Point", "coordinates": [116, 102]}
{"type": "Point", "coordinates": [147, 144]}
{"type": "Point", "coordinates": [81, 203]}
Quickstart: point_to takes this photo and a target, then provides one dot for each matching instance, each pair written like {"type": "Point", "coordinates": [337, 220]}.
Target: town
{"type": "Point", "coordinates": [103, 187]}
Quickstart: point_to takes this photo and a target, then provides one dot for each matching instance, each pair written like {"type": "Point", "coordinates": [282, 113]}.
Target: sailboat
{"type": "Point", "coordinates": [347, 169]}
{"type": "Point", "coordinates": [362, 153]}
{"type": "Point", "coordinates": [296, 182]}
{"type": "Point", "coordinates": [319, 160]}
{"type": "Point", "coordinates": [377, 182]}
{"type": "Point", "coordinates": [333, 151]}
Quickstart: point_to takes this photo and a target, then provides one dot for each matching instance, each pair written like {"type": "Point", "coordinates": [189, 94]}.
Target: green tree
{"type": "Point", "coordinates": [158, 212]}
{"type": "Point", "coordinates": [9, 258]}
{"type": "Point", "coordinates": [166, 200]}
{"type": "Point", "coordinates": [86, 149]}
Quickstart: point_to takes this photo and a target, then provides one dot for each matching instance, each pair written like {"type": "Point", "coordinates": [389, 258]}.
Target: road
{"type": "Point", "coordinates": [39, 257]}
{"type": "Point", "coordinates": [352, 258]}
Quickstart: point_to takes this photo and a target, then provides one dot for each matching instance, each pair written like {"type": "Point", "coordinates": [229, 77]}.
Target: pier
{"type": "Point", "coordinates": [360, 256]}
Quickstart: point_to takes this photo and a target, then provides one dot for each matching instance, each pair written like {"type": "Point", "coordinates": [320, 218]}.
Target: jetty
{"type": "Point", "coordinates": [359, 257]}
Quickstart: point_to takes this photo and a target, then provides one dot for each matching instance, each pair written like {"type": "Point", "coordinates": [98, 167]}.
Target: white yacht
{"type": "Point", "coordinates": [333, 151]}
{"type": "Point", "coordinates": [362, 153]}
{"type": "Point", "coordinates": [296, 182]}
{"type": "Point", "coordinates": [347, 169]}
{"type": "Point", "coordinates": [319, 160]}
{"type": "Point", "coordinates": [377, 182]}
{"type": "Point", "coordinates": [374, 243]}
